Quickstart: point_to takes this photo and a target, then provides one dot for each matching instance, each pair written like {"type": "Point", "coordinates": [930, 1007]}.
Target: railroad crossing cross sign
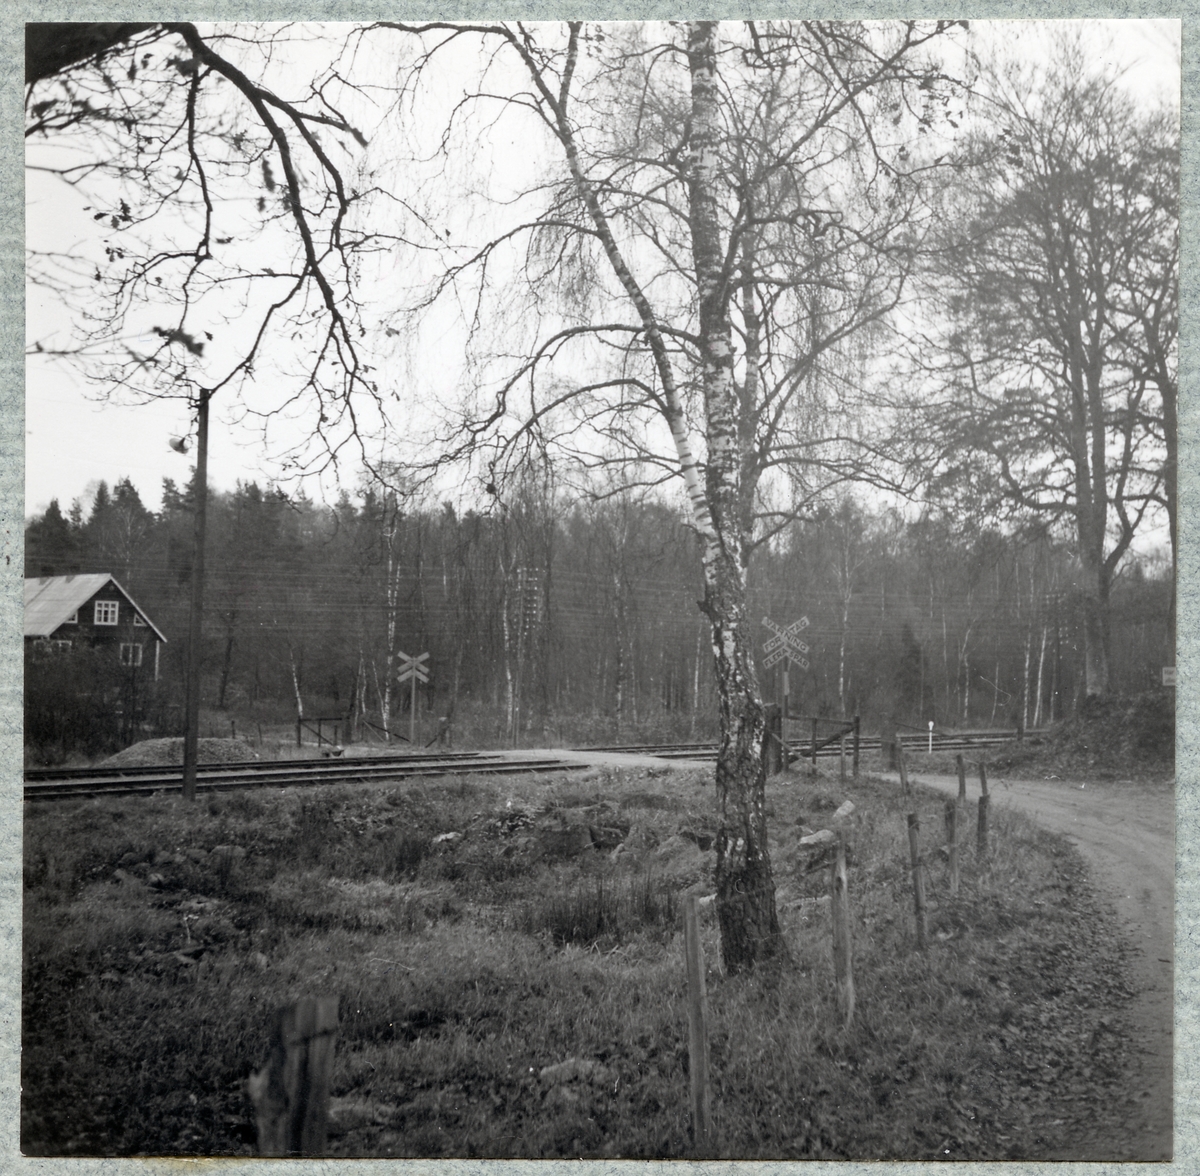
{"type": "Point", "coordinates": [786, 643]}
{"type": "Point", "coordinates": [413, 667]}
{"type": "Point", "coordinates": [414, 670]}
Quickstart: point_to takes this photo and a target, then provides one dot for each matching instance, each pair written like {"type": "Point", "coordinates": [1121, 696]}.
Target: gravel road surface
{"type": "Point", "coordinates": [1126, 832]}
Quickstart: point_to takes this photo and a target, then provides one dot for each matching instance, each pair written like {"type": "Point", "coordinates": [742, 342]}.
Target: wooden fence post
{"type": "Point", "coordinates": [981, 828]}
{"type": "Point", "coordinates": [889, 741]}
{"type": "Point", "coordinates": [697, 1025]}
{"type": "Point", "coordinates": [952, 844]}
{"type": "Point", "coordinates": [843, 967]}
{"type": "Point", "coordinates": [291, 1092]}
{"type": "Point", "coordinates": [856, 730]}
{"type": "Point", "coordinates": [961, 765]}
{"type": "Point", "coordinates": [903, 765]}
{"type": "Point", "coordinates": [914, 849]}
{"type": "Point", "coordinates": [842, 758]}
{"type": "Point", "coordinates": [297, 732]}
{"type": "Point", "coordinates": [814, 748]}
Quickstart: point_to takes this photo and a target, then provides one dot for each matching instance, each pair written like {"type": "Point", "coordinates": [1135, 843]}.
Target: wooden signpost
{"type": "Point", "coordinates": [414, 670]}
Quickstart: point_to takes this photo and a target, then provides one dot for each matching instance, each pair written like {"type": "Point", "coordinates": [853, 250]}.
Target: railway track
{"type": "Point", "coordinates": [63, 784]}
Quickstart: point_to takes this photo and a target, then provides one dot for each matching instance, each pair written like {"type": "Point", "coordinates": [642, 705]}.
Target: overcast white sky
{"type": "Point", "coordinates": [73, 439]}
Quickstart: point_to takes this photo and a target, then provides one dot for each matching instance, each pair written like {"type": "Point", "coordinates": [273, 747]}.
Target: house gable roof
{"type": "Point", "coordinates": [50, 600]}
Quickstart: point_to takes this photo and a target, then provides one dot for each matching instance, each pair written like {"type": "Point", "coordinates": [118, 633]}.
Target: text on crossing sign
{"type": "Point", "coordinates": [786, 643]}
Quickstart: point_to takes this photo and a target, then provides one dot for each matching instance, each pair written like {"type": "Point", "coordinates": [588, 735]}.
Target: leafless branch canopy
{"type": "Point", "coordinates": [231, 213]}
{"type": "Point", "coordinates": [821, 190]}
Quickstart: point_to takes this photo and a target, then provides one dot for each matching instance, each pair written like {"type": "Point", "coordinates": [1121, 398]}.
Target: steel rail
{"type": "Point", "coordinates": [285, 774]}
{"type": "Point", "coordinates": [131, 770]}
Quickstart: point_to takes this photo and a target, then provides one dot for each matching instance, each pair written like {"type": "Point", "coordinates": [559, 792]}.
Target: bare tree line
{"type": "Point", "coordinates": [551, 622]}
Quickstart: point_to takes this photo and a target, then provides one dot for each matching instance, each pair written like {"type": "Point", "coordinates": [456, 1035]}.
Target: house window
{"type": "Point", "coordinates": [137, 620]}
{"type": "Point", "coordinates": [106, 612]}
{"type": "Point", "coordinates": [73, 619]}
{"type": "Point", "coordinates": [131, 654]}
{"type": "Point", "coordinates": [62, 644]}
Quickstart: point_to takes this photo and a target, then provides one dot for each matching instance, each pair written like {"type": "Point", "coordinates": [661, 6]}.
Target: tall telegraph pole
{"type": "Point", "coordinates": [191, 732]}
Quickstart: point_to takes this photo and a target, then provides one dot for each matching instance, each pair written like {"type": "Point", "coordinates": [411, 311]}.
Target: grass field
{"type": "Point", "coordinates": [508, 957]}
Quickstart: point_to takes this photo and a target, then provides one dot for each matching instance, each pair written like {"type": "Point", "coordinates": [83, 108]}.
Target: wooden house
{"type": "Point", "coordinates": [65, 611]}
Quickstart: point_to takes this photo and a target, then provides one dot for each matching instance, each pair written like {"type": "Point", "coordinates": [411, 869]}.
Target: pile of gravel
{"type": "Point", "coordinates": [165, 752]}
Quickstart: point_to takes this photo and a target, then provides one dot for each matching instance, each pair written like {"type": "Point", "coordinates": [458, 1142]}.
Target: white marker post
{"type": "Point", "coordinates": [931, 737]}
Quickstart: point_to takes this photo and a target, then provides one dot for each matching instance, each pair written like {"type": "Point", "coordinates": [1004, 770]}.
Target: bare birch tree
{"type": "Point", "coordinates": [726, 209]}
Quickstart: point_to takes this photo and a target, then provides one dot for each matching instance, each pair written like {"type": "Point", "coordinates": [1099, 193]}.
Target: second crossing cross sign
{"type": "Point", "coordinates": [786, 643]}
{"type": "Point", "coordinates": [414, 670]}
{"type": "Point", "coordinates": [413, 667]}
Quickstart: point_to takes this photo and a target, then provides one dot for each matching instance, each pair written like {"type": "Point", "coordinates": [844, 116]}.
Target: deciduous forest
{"type": "Point", "coordinates": [549, 621]}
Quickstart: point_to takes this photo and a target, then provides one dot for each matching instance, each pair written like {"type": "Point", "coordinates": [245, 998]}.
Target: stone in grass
{"type": "Point", "coordinates": [351, 1114]}
{"type": "Point", "coordinates": [820, 838]}
{"type": "Point", "coordinates": [606, 837]}
{"type": "Point", "coordinates": [574, 1070]}
{"type": "Point", "coordinates": [564, 840]}
{"type": "Point", "coordinates": [229, 853]}
{"type": "Point", "coordinates": [682, 861]}
{"type": "Point", "coordinates": [844, 810]}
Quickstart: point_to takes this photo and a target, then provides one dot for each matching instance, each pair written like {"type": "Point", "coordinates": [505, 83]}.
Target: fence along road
{"type": "Point", "coordinates": [1126, 832]}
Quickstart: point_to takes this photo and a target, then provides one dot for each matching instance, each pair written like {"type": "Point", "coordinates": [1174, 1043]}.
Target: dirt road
{"type": "Point", "coordinates": [1126, 832]}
